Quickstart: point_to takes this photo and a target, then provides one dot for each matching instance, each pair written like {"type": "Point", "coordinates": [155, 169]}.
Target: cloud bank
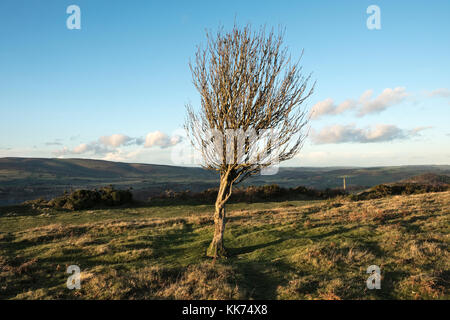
{"type": "Point", "coordinates": [352, 134]}
{"type": "Point", "coordinates": [110, 146]}
{"type": "Point", "coordinates": [116, 140]}
{"type": "Point", "coordinates": [364, 105]}
{"type": "Point", "coordinates": [441, 92]}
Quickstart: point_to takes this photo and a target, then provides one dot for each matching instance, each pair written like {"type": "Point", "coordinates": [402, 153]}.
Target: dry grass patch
{"type": "Point", "coordinates": [200, 281]}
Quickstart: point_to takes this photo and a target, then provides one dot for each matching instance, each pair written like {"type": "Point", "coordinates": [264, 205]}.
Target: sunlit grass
{"type": "Point", "coordinates": [279, 250]}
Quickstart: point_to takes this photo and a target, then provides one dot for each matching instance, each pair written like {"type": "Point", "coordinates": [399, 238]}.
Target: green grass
{"type": "Point", "coordinates": [279, 250]}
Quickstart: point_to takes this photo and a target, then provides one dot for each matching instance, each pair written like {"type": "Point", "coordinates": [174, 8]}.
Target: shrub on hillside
{"type": "Point", "coordinates": [384, 190]}
{"type": "Point", "coordinates": [250, 194]}
{"type": "Point", "coordinates": [430, 178]}
{"type": "Point", "coordinates": [87, 199]}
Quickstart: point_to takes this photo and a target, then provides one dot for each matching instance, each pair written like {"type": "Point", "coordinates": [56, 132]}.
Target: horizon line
{"type": "Point", "coordinates": [199, 166]}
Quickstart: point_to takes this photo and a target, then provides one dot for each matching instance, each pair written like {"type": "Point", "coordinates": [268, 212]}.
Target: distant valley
{"type": "Point", "coordinates": [24, 179]}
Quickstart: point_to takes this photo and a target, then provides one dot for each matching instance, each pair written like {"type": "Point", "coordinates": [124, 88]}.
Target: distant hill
{"type": "Point", "coordinates": [24, 179]}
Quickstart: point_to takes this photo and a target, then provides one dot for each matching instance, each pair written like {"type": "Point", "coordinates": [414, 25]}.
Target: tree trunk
{"type": "Point", "coordinates": [217, 248]}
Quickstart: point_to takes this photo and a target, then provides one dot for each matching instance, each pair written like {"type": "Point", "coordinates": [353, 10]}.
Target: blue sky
{"type": "Point", "coordinates": [117, 88]}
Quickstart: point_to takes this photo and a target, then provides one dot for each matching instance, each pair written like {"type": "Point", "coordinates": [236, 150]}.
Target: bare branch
{"type": "Point", "coordinates": [247, 83]}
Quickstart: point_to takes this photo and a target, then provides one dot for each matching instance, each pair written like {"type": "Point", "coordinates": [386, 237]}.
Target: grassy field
{"type": "Point", "coordinates": [283, 250]}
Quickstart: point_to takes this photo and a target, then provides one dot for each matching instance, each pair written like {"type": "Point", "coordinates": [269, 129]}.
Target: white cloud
{"type": "Point", "coordinates": [364, 105]}
{"type": "Point", "coordinates": [109, 146]}
{"type": "Point", "coordinates": [328, 107]}
{"type": "Point", "coordinates": [366, 95]}
{"type": "Point", "coordinates": [441, 92]}
{"type": "Point", "coordinates": [160, 139]}
{"type": "Point", "coordinates": [321, 108]}
{"type": "Point", "coordinates": [121, 155]}
{"type": "Point", "coordinates": [83, 148]}
{"type": "Point", "coordinates": [349, 133]}
{"type": "Point", "coordinates": [115, 140]}
{"type": "Point", "coordinates": [386, 99]}
{"type": "Point", "coordinates": [346, 105]}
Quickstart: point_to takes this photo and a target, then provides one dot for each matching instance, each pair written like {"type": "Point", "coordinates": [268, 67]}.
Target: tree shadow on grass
{"type": "Point", "coordinates": [19, 210]}
{"type": "Point", "coordinates": [339, 230]}
{"type": "Point", "coordinates": [243, 250]}
{"type": "Point", "coordinates": [388, 283]}
{"type": "Point", "coordinates": [261, 277]}
{"type": "Point", "coordinates": [410, 226]}
{"type": "Point", "coordinates": [172, 247]}
{"type": "Point", "coordinates": [260, 280]}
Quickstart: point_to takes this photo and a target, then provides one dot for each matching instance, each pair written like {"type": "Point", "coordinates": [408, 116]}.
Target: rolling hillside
{"type": "Point", "coordinates": [30, 178]}
{"type": "Point", "coordinates": [278, 250]}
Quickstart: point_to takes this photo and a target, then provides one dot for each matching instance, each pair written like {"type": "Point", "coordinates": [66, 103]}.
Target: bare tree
{"type": "Point", "coordinates": [250, 117]}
